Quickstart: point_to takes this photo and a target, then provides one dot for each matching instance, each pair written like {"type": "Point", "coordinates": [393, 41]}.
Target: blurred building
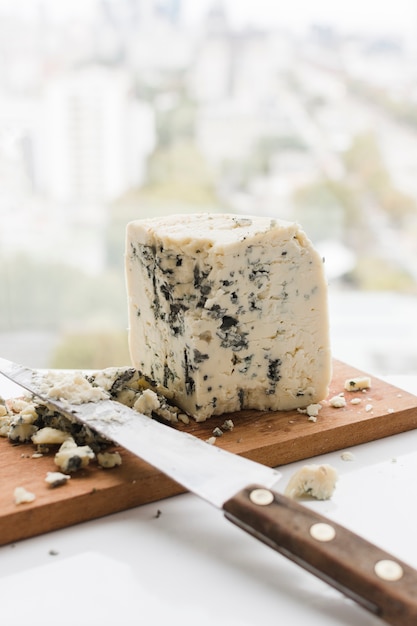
{"type": "Point", "coordinates": [93, 138]}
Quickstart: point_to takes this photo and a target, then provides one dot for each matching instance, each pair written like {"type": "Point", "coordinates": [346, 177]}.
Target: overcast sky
{"type": "Point", "coordinates": [377, 16]}
{"type": "Point", "coordinates": [371, 15]}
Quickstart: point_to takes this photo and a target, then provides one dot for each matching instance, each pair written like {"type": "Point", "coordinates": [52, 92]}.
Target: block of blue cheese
{"type": "Point", "coordinates": [228, 312]}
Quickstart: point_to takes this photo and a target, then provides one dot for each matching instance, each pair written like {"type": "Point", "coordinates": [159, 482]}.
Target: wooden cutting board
{"type": "Point", "coordinates": [272, 438]}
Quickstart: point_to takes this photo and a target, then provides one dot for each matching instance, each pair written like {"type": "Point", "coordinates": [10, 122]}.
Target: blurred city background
{"type": "Point", "coordinates": [113, 110]}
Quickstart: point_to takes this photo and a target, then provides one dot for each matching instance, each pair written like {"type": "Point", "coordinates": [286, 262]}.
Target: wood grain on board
{"type": "Point", "coordinates": [272, 438]}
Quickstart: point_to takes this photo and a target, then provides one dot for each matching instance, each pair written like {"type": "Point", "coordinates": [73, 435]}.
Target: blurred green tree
{"type": "Point", "coordinates": [92, 350]}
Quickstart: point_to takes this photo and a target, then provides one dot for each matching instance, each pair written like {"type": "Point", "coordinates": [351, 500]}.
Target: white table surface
{"type": "Point", "coordinates": [178, 562]}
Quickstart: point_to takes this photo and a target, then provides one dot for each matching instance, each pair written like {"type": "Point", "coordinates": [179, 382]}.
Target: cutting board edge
{"type": "Point", "coordinates": [349, 434]}
{"type": "Point", "coordinates": [67, 513]}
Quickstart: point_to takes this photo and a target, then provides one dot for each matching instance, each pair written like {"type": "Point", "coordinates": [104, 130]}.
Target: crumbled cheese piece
{"type": "Point", "coordinates": [167, 412]}
{"type": "Point", "coordinates": [211, 440]}
{"type": "Point", "coordinates": [56, 479]}
{"type": "Point", "coordinates": [338, 402]}
{"type": "Point", "coordinates": [21, 432]}
{"type": "Point", "coordinates": [130, 387]}
{"type": "Point", "coordinates": [217, 432]}
{"type": "Point", "coordinates": [356, 401]}
{"type": "Point", "coordinates": [71, 387]}
{"type": "Point", "coordinates": [28, 414]}
{"type": "Point", "coordinates": [71, 457]}
{"type": "Point", "coordinates": [183, 417]}
{"type": "Point", "coordinates": [347, 456]}
{"type": "Point", "coordinates": [16, 405]}
{"type": "Point", "coordinates": [127, 385]}
{"type": "Point", "coordinates": [357, 384]}
{"type": "Point", "coordinates": [390, 411]}
{"type": "Point", "coordinates": [235, 308]}
{"type": "Point", "coordinates": [109, 459]}
{"type": "Point", "coordinates": [312, 410]}
{"type": "Point", "coordinates": [147, 402]}
{"type": "Point", "coordinates": [5, 423]}
{"type": "Point", "coordinates": [369, 408]}
{"type": "Point", "coordinates": [23, 496]}
{"type": "Point", "coordinates": [48, 435]}
{"type": "Point", "coordinates": [318, 481]}
{"type": "Point", "coordinates": [29, 419]}
{"type": "Point", "coordinates": [112, 379]}
{"type": "Point", "coordinates": [228, 425]}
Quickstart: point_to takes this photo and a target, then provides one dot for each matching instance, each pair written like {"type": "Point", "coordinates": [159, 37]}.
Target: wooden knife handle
{"type": "Point", "coordinates": [375, 579]}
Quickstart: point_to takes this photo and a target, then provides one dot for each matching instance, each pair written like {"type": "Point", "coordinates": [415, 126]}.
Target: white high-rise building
{"type": "Point", "coordinates": [94, 138]}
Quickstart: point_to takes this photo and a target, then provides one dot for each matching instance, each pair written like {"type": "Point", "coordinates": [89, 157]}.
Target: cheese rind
{"type": "Point", "coordinates": [228, 312]}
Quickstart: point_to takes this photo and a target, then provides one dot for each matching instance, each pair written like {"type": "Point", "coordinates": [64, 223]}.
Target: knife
{"type": "Point", "coordinates": [243, 490]}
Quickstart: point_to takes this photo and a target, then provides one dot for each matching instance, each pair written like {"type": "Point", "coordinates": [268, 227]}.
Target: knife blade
{"type": "Point", "coordinates": [243, 490]}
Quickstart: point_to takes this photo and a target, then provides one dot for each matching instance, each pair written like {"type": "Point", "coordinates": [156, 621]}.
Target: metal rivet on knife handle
{"type": "Point", "coordinates": [262, 497]}
{"type": "Point", "coordinates": [322, 532]}
{"type": "Point", "coordinates": [388, 570]}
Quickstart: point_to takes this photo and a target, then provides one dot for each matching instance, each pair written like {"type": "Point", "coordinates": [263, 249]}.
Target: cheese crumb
{"type": "Point", "coordinates": [147, 402]}
{"type": "Point", "coordinates": [312, 410]}
{"type": "Point", "coordinates": [48, 435]}
{"type": "Point", "coordinates": [21, 432]}
{"type": "Point", "coordinates": [108, 460]}
{"type": "Point", "coordinates": [317, 481]}
{"type": "Point", "coordinates": [16, 405]}
{"type": "Point", "coordinates": [338, 402]}
{"type": "Point", "coordinates": [71, 457]}
{"type": "Point", "coordinates": [5, 422]}
{"type": "Point", "coordinates": [347, 456]}
{"type": "Point", "coordinates": [183, 417]}
{"type": "Point", "coordinates": [358, 384]}
{"type": "Point", "coordinates": [23, 496]}
{"type": "Point", "coordinates": [56, 479]}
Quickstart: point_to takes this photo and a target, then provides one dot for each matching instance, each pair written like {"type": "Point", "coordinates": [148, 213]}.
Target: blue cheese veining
{"type": "Point", "coordinates": [228, 312]}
